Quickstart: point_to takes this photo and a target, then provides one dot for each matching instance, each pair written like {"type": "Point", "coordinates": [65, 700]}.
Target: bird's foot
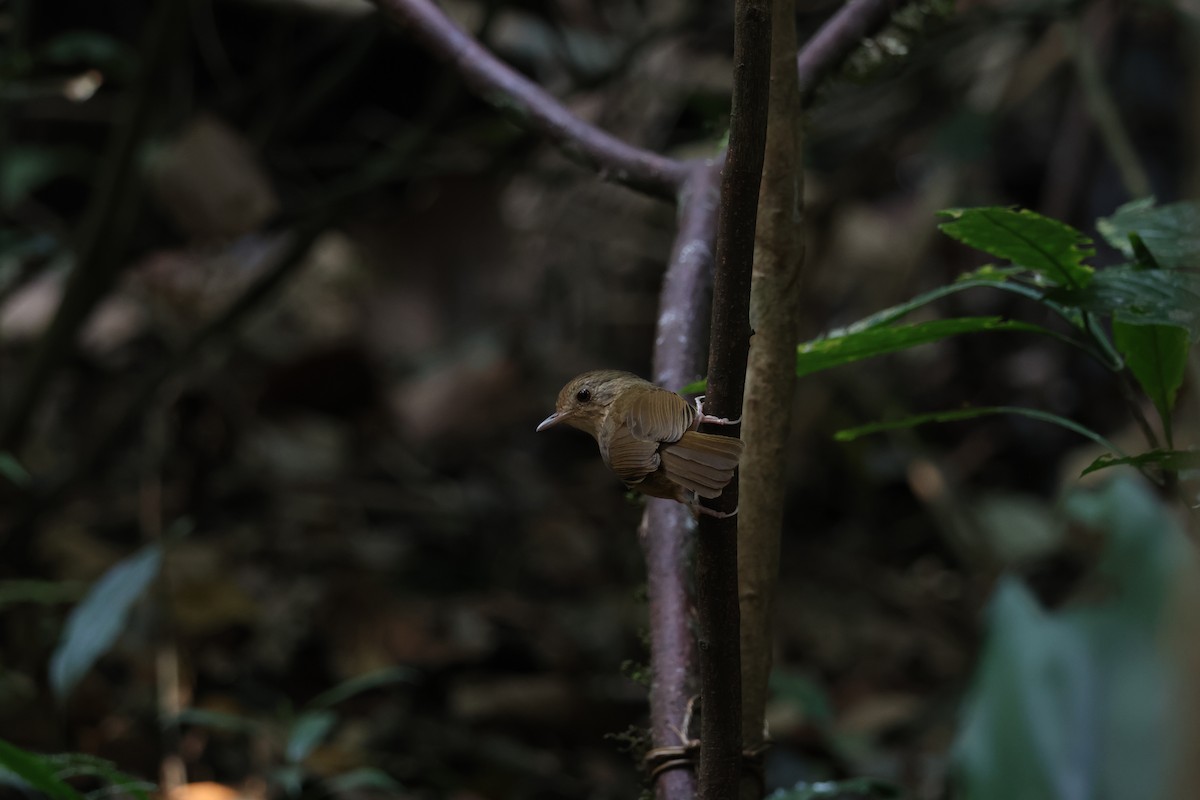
{"type": "Point", "coordinates": [712, 512]}
{"type": "Point", "coordinates": [702, 418]}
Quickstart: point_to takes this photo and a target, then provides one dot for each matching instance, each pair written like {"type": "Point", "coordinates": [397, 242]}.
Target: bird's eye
{"type": "Point", "coordinates": [583, 395]}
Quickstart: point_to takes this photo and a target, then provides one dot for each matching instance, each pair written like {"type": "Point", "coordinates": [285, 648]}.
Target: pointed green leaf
{"type": "Point", "coordinates": [1080, 701]}
{"type": "Point", "coordinates": [34, 770]}
{"type": "Point", "coordinates": [307, 732]}
{"type": "Point", "coordinates": [1169, 460]}
{"type": "Point", "coordinates": [1157, 357]}
{"type": "Point", "coordinates": [850, 434]}
{"type": "Point", "coordinates": [217, 720]}
{"type": "Point", "coordinates": [1171, 232]}
{"type": "Point", "coordinates": [1141, 297]}
{"type": "Point", "coordinates": [119, 784]}
{"type": "Point", "coordinates": [11, 469]}
{"type": "Point", "coordinates": [362, 683]}
{"type": "Point", "coordinates": [1049, 247]}
{"type": "Point", "coordinates": [95, 623]}
{"type": "Point", "coordinates": [836, 350]}
{"type": "Point", "coordinates": [364, 778]}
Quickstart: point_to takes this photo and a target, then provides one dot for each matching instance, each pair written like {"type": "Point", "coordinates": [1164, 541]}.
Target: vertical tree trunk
{"type": "Point", "coordinates": [770, 378]}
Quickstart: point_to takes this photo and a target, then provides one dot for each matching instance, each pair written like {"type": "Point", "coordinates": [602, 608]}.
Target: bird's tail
{"type": "Point", "coordinates": [702, 462]}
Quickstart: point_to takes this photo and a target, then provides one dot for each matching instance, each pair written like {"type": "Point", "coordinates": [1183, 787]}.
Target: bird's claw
{"type": "Point", "coordinates": [712, 512]}
{"type": "Point", "coordinates": [703, 418]}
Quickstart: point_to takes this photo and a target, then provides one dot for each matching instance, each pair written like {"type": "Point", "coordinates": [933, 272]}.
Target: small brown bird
{"type": "Point", "coordinates": [648, 437]}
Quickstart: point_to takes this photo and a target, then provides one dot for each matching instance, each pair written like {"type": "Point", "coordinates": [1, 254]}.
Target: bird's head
{"type": "Point", "coordinates": [585, 400]}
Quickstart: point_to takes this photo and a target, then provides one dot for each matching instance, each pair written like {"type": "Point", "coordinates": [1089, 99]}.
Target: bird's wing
{"type": "Point", "coordinates": [631, 458]}
{"type": "Point", "coordinates": [635, 432]}
{"type": "Point", "coordinates": [658, 416]}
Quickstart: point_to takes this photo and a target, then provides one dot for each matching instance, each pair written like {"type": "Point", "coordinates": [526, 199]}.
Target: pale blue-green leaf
{"type": "Point", "coordinates": [1050, 248]}
{"type": "Point", "coordinates": [1028, 702]}
{"type": "Point", "coordinates": [307, 732]}
{"type": "Point", "coordinates": [94, 625]}
{"type": "Point", "coordinates": [11, 469]}
{"type": "Point", "coordinates": [1077, 703]}
{"type": "Point", "coordinates": [290, 778]}
{"type": "Point", "coordinates": [364, 778]}
{"type": "Point", "coordinates": [363, 683]}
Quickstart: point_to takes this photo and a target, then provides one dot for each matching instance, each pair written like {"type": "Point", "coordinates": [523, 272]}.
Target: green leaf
{"type": "Point", "coordinates": [94, 624]}
{"type": "Point", "coordinates": [1171, 232]}
{"type": "Point", "coordinates": [836, 350]}
{"type": "Point", "coordinates": [362, 683]}
{"type": "Point", "coordinates": [25, 169]}
{"type": "Point", "coordinates": [1048, 247]}
{"type": "Point", "coordinates": [11, 469]}
{"type": "Point", "coordinates": [850, 789]}
{"type": "Point", "coordinates": [1169, 460]}
{"type": "Point", "coordinates": [34, 770]}
{"type": "Point", "coordinates": [308, 731]}
{"type": "Point", "coordinates": [1079, 702]}
{"type": "Point", "coordinates": [1157, 357]}
{"type": "Point", "coordinates": [118, 782]}
{"type": "Point", "coordinates": [89, 48]}
{"type": "Point", "coordinates": [39, 592]}
{"type": "Point", "coordinates": [217, 720]}
{"type": "Point", "coordinates": [1141, 297]}
{"type": "Point", "coordinates": [984, 278]}
{"type": "Point", "coordinates": [364, 778]}
{"type": "Point", "coordinates": [850, 434]}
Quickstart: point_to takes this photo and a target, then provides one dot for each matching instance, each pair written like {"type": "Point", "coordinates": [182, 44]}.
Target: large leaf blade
{"type": "Point", "coordinates": [1168, 460]}
{"type": "Point", "coordinates": [1051, 248]}
{"type": "Point", "coordinates": [35, 771]}
{"type": "Point", "coordinates": [1171, 233]}
{"type": "Point", "coordinates": [856, 345]}
{"type": "Point", "coordinates": [95, 623]}
{"type": "Point", "coordinates": [1141, 297]}
{"type": "Point", "coordinates": [1157, 357]}
{"type": "Point", "coordinates": [958, 415]}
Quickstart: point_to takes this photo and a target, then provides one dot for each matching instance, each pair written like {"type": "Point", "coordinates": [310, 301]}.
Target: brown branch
{"type": "Point", "coordinates": [716, 547]}
{"type": "Point", "coordinates": [770, 378]}
{"type": "Point", "coordinates": [838, 38]}
{"type": "Point", "coordinates": [510, 92]}
{"type": "Point", "coordinates": [667, 526]}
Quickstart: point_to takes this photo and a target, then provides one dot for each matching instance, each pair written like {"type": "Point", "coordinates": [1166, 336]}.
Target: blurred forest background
{"type": "Point", "coordinates": [330, 294]}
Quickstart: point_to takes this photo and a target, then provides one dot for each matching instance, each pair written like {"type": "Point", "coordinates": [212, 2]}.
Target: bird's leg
{"type": "Point", "coordinates": [714, 513]}
{"type": "Point", "coordinates": [702, 417]}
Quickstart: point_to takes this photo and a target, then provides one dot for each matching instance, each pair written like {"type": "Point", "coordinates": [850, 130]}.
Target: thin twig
{"type": "Point", "coordinates": [512, 93]}
{"type": "Point", "coordinates": [833, 43]}
{"type": "Point", "coordinates": [716, 546]}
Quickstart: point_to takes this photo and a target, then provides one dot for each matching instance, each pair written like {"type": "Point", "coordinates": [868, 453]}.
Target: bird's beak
{"type": "Point", "coordinates": [551, 421]}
